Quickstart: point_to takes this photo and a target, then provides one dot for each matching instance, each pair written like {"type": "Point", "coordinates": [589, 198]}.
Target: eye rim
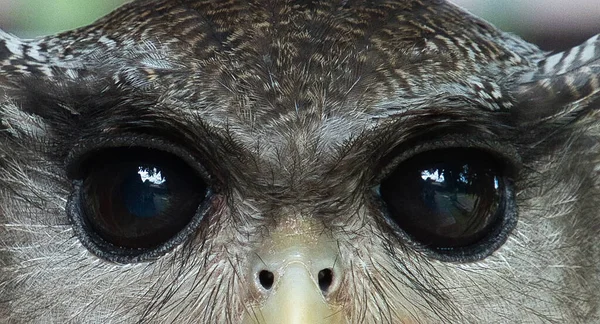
{"type": "Point", "coordinates": [478, 251]}
{"type": "Point", "coordinates": [77, 162]}
{"type": "Point", "coordinates": [105, 250]}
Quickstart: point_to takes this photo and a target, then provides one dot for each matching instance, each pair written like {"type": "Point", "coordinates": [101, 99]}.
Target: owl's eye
{"type": "Point", "coordinates": [132, 201]}
{"type": "Point", "coordinates": [450, 200]}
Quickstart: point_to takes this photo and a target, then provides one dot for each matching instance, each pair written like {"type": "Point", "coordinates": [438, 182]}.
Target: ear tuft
{"type": "Point", "coordinates": [565, 84]}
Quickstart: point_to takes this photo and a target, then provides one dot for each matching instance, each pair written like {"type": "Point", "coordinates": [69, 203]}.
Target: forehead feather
{"type": "Point", "coordinates": [259, 60]}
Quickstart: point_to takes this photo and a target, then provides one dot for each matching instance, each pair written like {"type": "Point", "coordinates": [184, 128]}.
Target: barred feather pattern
{"type": "Point", "coordinates": [293, 105]}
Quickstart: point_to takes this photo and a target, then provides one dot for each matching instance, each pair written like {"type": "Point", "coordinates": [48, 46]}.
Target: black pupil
{"type": "Point", "coordinates": [140, 198]}
{"type": "Point", "coordinates": [446, 198]}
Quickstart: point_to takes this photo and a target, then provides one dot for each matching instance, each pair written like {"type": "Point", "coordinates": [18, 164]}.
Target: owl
{"type": "Point", "coordinates": [299, 161]}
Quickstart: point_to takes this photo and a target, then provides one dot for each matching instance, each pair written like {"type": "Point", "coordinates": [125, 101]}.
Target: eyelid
{"type": "Point", "coordinates": [75, 210]}
{"type": "Point", "coordinates": [85, 149]}
{"type": "Point", "coordinates": [505, 153]}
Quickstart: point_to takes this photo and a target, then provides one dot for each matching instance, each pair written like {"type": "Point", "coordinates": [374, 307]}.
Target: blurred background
{"type": "Point", "coordinates": [552, 24]}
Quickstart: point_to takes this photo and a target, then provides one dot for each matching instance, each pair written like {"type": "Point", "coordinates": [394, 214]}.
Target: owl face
{"type": "Point", "coordinates": [302, 162]}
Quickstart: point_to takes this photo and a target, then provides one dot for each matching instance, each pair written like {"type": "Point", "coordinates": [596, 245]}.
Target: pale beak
{"type": "Point", "coordinates": [295, 273]}
{"type": "Point", "coordinates": [297, 300]}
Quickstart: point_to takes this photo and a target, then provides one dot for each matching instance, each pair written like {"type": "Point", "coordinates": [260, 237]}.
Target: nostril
{"type": "Point", "coordinates": [266, 279]}
{"type": "Point", "coordinates": [325, 279]}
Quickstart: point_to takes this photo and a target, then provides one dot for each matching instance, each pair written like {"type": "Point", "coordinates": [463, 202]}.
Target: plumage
{"type": "Point", "coordinates": [291, 114]}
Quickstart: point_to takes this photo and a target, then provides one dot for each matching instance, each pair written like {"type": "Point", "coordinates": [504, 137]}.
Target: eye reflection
{"type": "Point", "coordinates": [445, 198]}
{"type": "Point", "coordinates": [452, 196]}
{"type": "Point", "coordinates": [153, 175]}
{"type": "Point", "coordinates": [146, 193]}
